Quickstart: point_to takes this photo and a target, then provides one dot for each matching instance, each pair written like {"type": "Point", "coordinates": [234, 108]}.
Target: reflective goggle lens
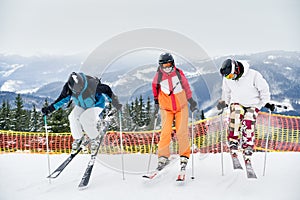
{"type": "Point", "coordinates": [230, 76]}
{"type": "Point", "coordinates": [167, 64]}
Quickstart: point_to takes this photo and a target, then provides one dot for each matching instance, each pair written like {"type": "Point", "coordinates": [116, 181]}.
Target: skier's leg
{"type": "Point", "coordinates": [89, 119]}
{"type": "Point", "coordinates": [75, 127]}
{"type": "Point", "coordinates": [181, 123]}
{"type": "Point", "coordinates": [165, 137]}
{"type": "Point", "coordinates": [248, 131]}
{"type": "Point", "coordinates": [236, 114]}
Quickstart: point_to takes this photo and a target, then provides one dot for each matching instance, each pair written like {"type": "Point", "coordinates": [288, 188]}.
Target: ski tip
{"type": "Point", "coordinates": [149, 176]}
{"type": "Point", "coordinates": [52, 177]}
{"type": "Point", "coordinates": [82, 187]}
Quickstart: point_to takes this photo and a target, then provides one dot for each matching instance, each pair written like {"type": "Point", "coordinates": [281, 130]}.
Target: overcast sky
{"type": "Point", "coordinates": [221, 27]}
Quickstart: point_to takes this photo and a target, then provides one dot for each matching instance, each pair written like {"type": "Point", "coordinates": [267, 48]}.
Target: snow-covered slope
{"type": "Point", "coordinates": [23, 177]}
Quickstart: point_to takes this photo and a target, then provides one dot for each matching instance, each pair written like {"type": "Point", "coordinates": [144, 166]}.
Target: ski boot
{"type": "Point", "coordinates": [183, 162]}
{"type": "Point", "coordinates": [76, 144]}
{"type": "Point", "coordinates": [162, 162]}
{"type": "Point", "coordinates": [248, 151]}
{"type": "Point", "coordinates": [233, 146]}
{"type": "Point", "coordinates": [95, 145]}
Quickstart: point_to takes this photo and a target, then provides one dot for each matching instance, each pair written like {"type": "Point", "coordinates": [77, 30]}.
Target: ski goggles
{"type": "Point", "coordinates": [167, 65]}
{"type": "Point", "coordinates": [230, 76]}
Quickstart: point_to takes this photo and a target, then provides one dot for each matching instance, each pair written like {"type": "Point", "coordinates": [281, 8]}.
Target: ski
{"type": "Point", "coordinates": [57, 172]}
{"type": "Point", "coordinates": [250, 171]}
{"type": "Point", "coordinates": [235, 161]}
{"type": "Point", "coordinates": [87, 174]}
{"type": "Point", "coordinates": [157, 173]}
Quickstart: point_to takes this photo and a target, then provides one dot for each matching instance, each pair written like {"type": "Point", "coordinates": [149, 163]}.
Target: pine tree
{"type": "Point", "coordinates": [58, 121]}
{"type": "Point", "coordinates": [7, 114]}
{"type": "Point", "coordinates": [3, 115]}
{"type": "Point", "coordinates": [19, 115]}
{"type": "Point", "coordinates": [127, 120]}
{"type": "Point", "coordinates": [148, 113]}
{"type": "Point", "coordinates": [35, 122]}
{"type": "Point", "coordinates": [141, 112]}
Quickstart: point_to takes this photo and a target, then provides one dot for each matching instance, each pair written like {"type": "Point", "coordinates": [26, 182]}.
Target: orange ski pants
{"type": "Point", "coordinates": [182, 134]}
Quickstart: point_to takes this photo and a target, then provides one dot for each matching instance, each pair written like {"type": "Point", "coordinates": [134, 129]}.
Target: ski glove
{"type": "Point", "coordinates": [193, 104]}
{"type": "Point", "coordinates": [270, 106]}
{"type": "Point", "coordinates": [156, 108]}
{"type": "Point", "coordinates": [47, 110]}
{"type": "Point", "coordinates": [221, 105]}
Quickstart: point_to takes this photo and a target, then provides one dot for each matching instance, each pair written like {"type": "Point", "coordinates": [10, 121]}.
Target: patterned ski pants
{"type": "Point", "coordinates": [242, 120]}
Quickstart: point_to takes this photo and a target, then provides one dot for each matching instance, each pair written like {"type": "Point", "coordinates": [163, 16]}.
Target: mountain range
{"type": "Point", "coordinates": [40, 77]}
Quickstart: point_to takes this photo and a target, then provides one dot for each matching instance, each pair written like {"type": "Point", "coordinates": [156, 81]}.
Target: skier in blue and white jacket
{"type": "Point", "coordinates": [90, 97]}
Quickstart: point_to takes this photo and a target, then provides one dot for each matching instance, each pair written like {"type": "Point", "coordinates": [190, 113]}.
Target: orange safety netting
{"type": "Point", "coordinates": [209, 134]}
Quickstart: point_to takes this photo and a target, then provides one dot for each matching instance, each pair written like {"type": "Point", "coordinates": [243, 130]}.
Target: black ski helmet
{"type": "Point", "coordinates": [165, 58]}
{"type": "Point", "coordinates": [231, 66]}
{"type": "Point", "coordinates": [76, 82]}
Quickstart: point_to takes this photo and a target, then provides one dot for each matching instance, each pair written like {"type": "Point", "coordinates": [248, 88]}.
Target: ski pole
{"type": "Point", "coordinates": [47, 145]}
{"type": "Point", "coordinates": [152, 143]}
{"type": "Point", "coordinates": [267, 142]}
{"type": "Point", "coordinates": [222, 147]}
{"type": "Point", "coordinates": [193, 148]}
{"type": "Point", "coordinates": [121, 144]}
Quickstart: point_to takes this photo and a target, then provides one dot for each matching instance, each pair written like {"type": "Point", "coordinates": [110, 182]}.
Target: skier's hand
{"type": "Point", "coordinates": [47, 110]}
{"type": "Point", "coordinates": [193, 104]}
{"type": "Point", "coordinates": [156, 108]}
{"type": "Point", "coordinates": [221, 105]}
{"type": "Point", "coordinates": [270, 106]}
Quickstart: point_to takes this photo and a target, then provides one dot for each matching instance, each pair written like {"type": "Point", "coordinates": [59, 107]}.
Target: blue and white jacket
{"type": "Point", "coordinates": [92, 95]}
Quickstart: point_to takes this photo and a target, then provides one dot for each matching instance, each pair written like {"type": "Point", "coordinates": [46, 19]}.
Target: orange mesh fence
{"type": "Point", "coordinates": [208, 136]}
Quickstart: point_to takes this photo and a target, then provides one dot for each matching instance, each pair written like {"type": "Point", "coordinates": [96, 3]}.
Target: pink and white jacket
{"type": "Point", "coordinates": [171, 93]}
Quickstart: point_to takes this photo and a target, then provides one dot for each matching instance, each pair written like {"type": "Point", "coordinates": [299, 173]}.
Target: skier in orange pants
{"type": "Point", "coordinates": [172, 93]}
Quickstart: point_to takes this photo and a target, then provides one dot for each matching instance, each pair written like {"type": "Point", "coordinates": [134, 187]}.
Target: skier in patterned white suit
{"type": "Point", "coordinates": [246, 92]}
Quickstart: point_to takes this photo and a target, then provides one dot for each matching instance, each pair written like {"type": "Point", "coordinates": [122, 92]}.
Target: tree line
{"type": "Point", "coordinates": [137, 115]}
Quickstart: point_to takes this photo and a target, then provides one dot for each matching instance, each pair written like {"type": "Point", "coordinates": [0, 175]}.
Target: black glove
{"type": "Point", "coordinates": [270, 106]}
{"type": "Point", "coordinates": [47, 110]}
{"type": "Point", "coordinates": [156, 108]}
{"type": "Point", "coordinates": [221, 105]}
{"type": "Point", "coordinates": [193, 104]}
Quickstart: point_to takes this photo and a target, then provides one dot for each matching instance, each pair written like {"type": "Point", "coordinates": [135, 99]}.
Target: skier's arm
{"type": "Point", "coordinates": [263, 88]}
{"type": "Point", "coordinates": [105, 89]}
{"type": "Point", "coordinates": [63, 98]}
{"type": "Point", "coordinates": [226, 92]}
{"type": "Point", "coordinates": [155, 87]}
